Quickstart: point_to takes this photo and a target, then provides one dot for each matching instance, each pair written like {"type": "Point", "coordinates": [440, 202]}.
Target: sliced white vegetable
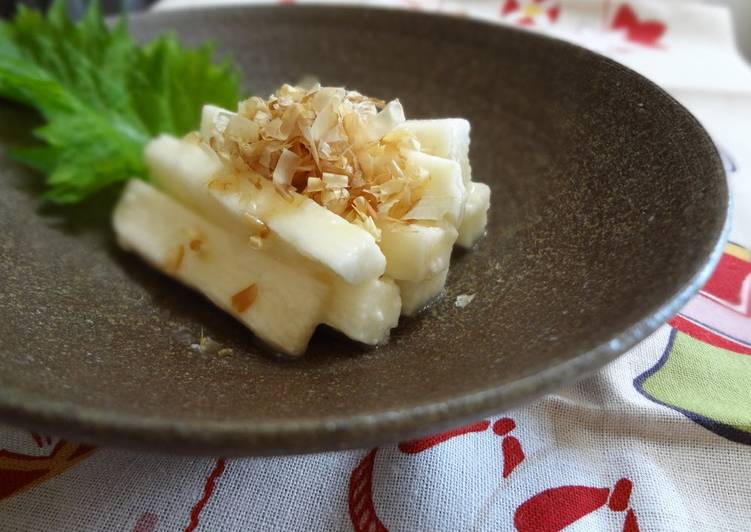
{"type": "Point", "coordinates": [306, 265]}
{"type": "Point", "coordinates": [475, 214]}
{"type": "Point", "coordinates": [288, 303]}
{"type": "Point", "coordinates": [444, 193]}
{"type": "Point", "coordinates": [444, 137]}
{"type": "Point", "coordinates": [319, 234]}
{"type": "Point", "coordinates": [211, 125]}
{"type": "Point", "coordinates": [365, 312]}
{"type": "Point", "coordinates": [185, 170]}
{"type": "Point", "coordinates": [416, 252]}
{"type": "Point", "coordinates": [416, 295]}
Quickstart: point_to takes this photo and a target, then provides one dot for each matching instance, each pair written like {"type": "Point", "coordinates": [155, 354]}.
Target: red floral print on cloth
{"type": "Point", "coordinates": [40, 440]}
{"type": "Point", "coordinates": [423, 444]}
{"type": "Point", "coordinates": [362, 510]}
{"type": "Point", "coordinates": [513, 454]}
{"type": "Point", "coordinates": [146, 522]}
{"type": "Point", "coordinates": [510, 446]}
{"type": "Point", "coordinates": [644, 32]}
{"type": "Point", "coordinates": [556, 508]}
{"type": "Point", "coordinates": [531, 12]}
{"type": "Point", "coordinates": [20, 471]}
{"type": "Point", "coordinates": [208, 491]}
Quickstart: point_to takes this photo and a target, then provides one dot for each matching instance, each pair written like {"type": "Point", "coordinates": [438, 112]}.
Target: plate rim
{"type": "Point", "coordinates": [290, 436]}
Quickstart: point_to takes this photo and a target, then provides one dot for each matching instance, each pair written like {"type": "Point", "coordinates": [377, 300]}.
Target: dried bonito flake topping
{"type": "Point", "coordinates": [243, 299]}
{"type": "Point", "coordinates": [337, 147]}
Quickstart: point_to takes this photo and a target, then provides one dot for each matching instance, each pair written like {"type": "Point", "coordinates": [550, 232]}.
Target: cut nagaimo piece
{"type": "Point", "coordinates": [416, 295]}
{"type": "Point", "coordinates": [365, 312]}
{"type": "Point", "coordinates": [223, 264]}
{"type": "Point", "coordinates": [444, 137]}
{"type": "Point", "coordinates": [184, 170]}
{"type": "Point", "coordinates": [279, 303]}
{"type": "Point", "coordinates": [319, 234]}
{"type": "Point", "coordinates": [211, 125]}
{"type": "Point", "coordinates": [415, 252]}
{"type": "Point", "coordinates": [444, 193]}
{"type": "Point", "coordinates": [475, 214]}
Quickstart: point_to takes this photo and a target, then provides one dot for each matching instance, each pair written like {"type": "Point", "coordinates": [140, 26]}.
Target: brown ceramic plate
{"type": "Point", "coordinates": [609, 211]}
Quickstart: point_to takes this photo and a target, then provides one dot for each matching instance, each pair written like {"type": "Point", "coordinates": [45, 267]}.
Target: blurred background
{"type": "Point", "coordinates": [77, 6]}
{"type": "Point", "coordinates": [741, 10]}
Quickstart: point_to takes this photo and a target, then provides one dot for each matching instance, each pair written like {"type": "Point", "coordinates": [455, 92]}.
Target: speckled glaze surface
{"type": "Point", "coordinates": [609, 209]}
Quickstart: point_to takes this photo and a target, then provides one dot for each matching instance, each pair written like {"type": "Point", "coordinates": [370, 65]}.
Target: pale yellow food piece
{"type": "Point", "coordinates": [444, 193]}
{"type": "Point", "coordinates": [365, 312]}
{"type": "Point", "coordinates": [444, 137]}
{"type": "Point", "coordinates": [188, 173]}
{"type": "Point", "coordinates": [356, 274]}
{"type": "Point", "coordinates": [416, 295]}
{"type": "Point", "coordinates": [416, 252]}
{"type": "Point", "coordinates": [475, 215]}
{"type": "Point", "coordinates": [288, 304]}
